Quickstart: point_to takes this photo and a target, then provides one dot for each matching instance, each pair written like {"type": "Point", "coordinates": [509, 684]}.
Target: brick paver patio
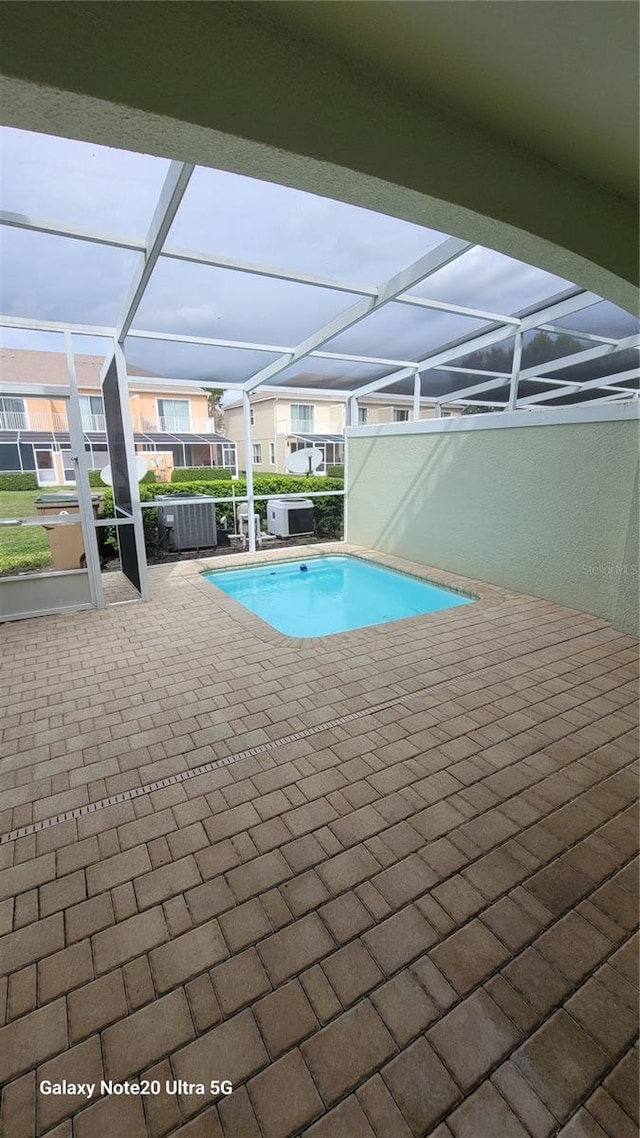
{"type": "Point", "coordinates": [420, 920]}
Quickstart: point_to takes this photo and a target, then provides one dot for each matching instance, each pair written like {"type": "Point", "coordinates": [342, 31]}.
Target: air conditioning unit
{"type": "Point", "coordinates": [187, 521]}
{"type": "Point", "coordinates": [289, 517]}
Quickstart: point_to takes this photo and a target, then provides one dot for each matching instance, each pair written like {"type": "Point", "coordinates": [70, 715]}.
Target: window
{"type": "Point", "coordinates": [13, 416]}
{"type": "Point", "coordinates": [92, 411]}
{"type": "Point", "coordinates": [400, 415]}
{"type": "Point", "coordinates": [272, 454]}
{"type": "Point", "coordinates": [302, 418]}
{"type": "Point", "coordinates": [256, 454]}
{"type": "Point", "coordinates": [173, 415]}
{"type": "Point", "coordinates": [363, 415]}
{"type": "Point", "coordinates": [228, 451]}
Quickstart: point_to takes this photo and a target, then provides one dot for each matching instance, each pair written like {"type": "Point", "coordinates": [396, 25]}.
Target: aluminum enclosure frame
{"type": "Point", "coordinates": [396, 289]}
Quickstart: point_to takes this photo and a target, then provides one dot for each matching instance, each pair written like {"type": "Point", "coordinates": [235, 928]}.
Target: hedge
{"type": "Point", "coordinates": [200, 473]}
{"type": "Point", "coordinates": [328, 512]}
{"type": "Point", "coordinates": [95, 478]}
{"type": "Point", "coordinates": [335, 471]}
{"type": "Point", "coordinates": [18, 482]}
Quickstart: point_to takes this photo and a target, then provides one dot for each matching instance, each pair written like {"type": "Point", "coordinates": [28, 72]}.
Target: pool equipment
{"type": "Point", "coordinates": [289, 517]}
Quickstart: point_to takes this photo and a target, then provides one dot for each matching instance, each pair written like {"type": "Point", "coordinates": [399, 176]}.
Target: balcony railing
{"type": "Point", "coordinates": [166, 424]}
{"type": "Point", "coordinates": [35, 421]}
{"type": "Point", "coordinates": [93, 422]}
{"type": "Point", "coordinates": [13, 421]}
{"type": "Point", "coordinates": [299, 427]}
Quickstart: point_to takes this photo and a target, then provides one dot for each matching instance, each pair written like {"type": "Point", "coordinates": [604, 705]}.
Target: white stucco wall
{"type": "Point", "coordinates": [545, 507]}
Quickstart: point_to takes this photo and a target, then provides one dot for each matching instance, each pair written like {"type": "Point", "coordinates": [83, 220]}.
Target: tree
{"type": "Point", "coordinates": [214, 395]}
{"type": "Point", "coordinates": [471, 409]}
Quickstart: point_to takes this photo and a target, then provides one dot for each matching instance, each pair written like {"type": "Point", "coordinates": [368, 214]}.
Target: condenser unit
{"type": "Point", "coordinates": [187, 521]}
{"type": "Point", "coordinates": [289, 517]}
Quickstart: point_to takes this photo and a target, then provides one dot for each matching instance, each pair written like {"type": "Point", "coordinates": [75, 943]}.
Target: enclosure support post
{"type": "Point", "coordinates": [515, 372]}
{"type": "Point", "coordinates": [246, 412]}
{"type": "Point", "coordinates": [417, 391]}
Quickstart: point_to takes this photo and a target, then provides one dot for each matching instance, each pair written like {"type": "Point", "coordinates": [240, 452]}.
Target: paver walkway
{"type": "Point", "coordinates": [420, 920]}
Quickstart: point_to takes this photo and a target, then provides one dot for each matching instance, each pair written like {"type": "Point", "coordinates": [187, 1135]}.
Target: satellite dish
{"type": "Point", "coordinates": [141, 469]}
{"type": "Point", "coordinates": [304, 461]}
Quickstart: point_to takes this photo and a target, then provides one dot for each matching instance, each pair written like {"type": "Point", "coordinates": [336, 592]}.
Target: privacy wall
{"type": "Point", "coordinates": [544, 503]}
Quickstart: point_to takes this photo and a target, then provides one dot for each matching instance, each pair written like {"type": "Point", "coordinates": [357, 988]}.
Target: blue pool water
{"type": "Point", "coordinates": [325, 595]}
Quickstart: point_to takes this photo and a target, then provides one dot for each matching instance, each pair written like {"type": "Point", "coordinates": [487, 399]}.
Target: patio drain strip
{"type": "Point", "coordinates": [193, 772]}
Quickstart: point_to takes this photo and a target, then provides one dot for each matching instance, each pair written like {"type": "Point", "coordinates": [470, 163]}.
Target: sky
{"type": "Point", "coordinates": [229, 215]}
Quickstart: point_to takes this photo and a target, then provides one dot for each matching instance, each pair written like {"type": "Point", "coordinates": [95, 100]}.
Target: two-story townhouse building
{"type": "Point", "coordinates": [283, 423]}
{"type": "Point", "coordinates": [172, 425]}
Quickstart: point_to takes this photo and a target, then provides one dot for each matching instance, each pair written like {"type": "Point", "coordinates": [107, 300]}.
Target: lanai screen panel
{"type": "Point", "coordinates": [338, 375]}
{"type": "Point", "coordinates": [482, 278]}
{"type": "Point", "coordinates": [241, 218]}
{"type": "Point", "coordinates": [604, 367]}
{"type": "Point", "coordinates": [79, 183]}
{"type": "Point", "coordinates": [199, 362]}
{"type": "Point", "coordinates": [63, 279]}
{"type": "Point", "coordinates": [200, 300]}
{"type": "Point", "coordinates": [541, 347]}
{"type": "Point", "coordinates": [602, 319]}
{"type": "Point", "coordinates": [404, 332]}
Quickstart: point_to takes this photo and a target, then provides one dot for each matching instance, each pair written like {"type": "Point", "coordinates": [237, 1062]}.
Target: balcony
{"type": "Point", "coordinates": [294, 426]}
{"type": "Point", "coordinates": [328, 424]}
{"type": "Point", "coordinates": [36, 421]}
{"type": "Point", "coordinates": [165, 424]}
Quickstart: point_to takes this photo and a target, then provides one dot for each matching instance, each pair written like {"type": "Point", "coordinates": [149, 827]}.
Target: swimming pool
{"type": "Point", "coordinates": [325, 595]}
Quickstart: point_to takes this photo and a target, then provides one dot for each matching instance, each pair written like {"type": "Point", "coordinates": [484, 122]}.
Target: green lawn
{"type": "Point", "coordinates": [22, 547]}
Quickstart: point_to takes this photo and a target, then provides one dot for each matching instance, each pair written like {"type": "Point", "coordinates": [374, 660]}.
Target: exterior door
{"type": "Point", "coordinates": [45, 467]}
{"type": "Point", "coordinates": [68, 468]}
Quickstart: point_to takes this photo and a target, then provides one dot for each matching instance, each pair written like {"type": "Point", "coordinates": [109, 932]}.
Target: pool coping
{"type": "Point", "coordinates": [486, 596]}
{"type": "Point", "coordinates": [209, 575]}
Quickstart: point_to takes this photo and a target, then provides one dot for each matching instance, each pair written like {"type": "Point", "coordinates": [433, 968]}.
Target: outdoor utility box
{"type": "Point", "coordinates": [186, 521]}
{"type": "Point", "coordinates": [289, 517]}
{"type": "Point", "coordinates": [65, 542]}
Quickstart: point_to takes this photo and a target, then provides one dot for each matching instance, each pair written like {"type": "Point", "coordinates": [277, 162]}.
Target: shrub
{"type": "Point", "coordinates": [27, 481]}
{"type": "Point", "coordinates": [328, 512]}
{"type": "Point", "coordinates": [149, 521]}
{"type": "Point", "coordinates": [95, 479]}
{"type": "Point", "coordinates": [336, 471]}
{"type": "Point", "coordinates": [200, 473]}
